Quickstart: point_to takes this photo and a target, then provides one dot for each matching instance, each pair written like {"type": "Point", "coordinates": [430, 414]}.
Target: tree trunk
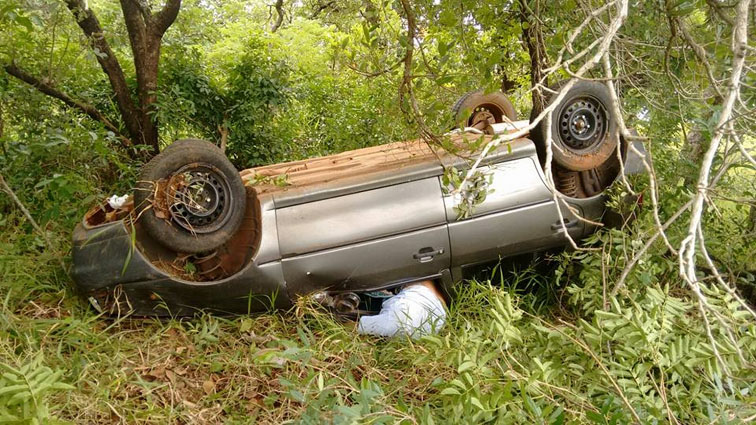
{"type": "Point", "coordinates": [2, 130]}
{"type": "Point", "coordinates": [223, 131]}
{"type": "Point", "coordinates": [145, 35]}
{"type": "Point", "coordinates": [507, 84]}
{"type": "Point", "coordinates": [532, 36]}
{"type": "Point", "coordinates": [147, 74]}
{"type": "Point", "coordinates": [279, 16]}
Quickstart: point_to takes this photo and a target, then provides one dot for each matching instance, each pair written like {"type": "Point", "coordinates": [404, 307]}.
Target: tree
{"type": "Point", "coordinates": [280, 14]}
{"type": "Point", "coordinates": [139, 125]}
{"type": "Point", "coordinates": [532, 37]}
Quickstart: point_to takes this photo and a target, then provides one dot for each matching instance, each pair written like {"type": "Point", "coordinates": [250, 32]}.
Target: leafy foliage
{"type": "Point", "coordinates": [23, 392]}
{"type": "Point", "coordinates": [541, 346]}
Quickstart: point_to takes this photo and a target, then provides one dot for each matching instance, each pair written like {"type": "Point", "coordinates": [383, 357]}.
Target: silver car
{"type": "Point", "coordinates": [197, 234]}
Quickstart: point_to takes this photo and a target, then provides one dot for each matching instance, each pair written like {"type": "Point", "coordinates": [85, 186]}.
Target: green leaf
{"type": "Point", "coordinates": [450, 391]}
{"type": "Point", "coordinates": [465, 366]}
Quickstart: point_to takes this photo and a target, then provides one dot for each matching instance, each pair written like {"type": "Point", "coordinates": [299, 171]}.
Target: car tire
{"type": "Point", "coordinates": [584, 128]}
{"type": "Point", "coordinates": [177, 144]}
{"type": "Point", "coordinates": [477, 107]}
{"type": "Point", "coordinates": [190, 197]}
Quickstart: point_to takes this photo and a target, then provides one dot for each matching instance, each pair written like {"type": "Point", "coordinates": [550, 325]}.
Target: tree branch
{"type": "Point", "coordinates": [2, 132]}
{"type": "Point", "coordinates": [405, 87]}
{"type": "Point", "coordinates": [144, 9]}
{"type": "Point", "coordinates": [279, 19]}
{"type": "Point", "coordinates": [5, 187]}
{"type": "Point", "coordinates": [717, 8]}
{"type": "Point", "coordinates": [91, 26]}
{"type": "Point", "coordinates": [700, 54]}
{"type": "Point", "coordinates": [51, 91]}
{"type": "Point", "coordinates": [687, 254]}
{"type": "Point", "coordinates": [137, 29]}
{"type": "Point", "coordinates": [165, 18]}
{"type": "Point", "coordinates": [320, 8]}
{"type": "Point", "coordinates": [370, 13]}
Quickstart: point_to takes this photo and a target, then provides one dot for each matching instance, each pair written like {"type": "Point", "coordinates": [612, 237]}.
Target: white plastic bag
{"type": "Point", "coordinates": [117, 202]}
{"type": "Point", "coordinates": [416, 310]}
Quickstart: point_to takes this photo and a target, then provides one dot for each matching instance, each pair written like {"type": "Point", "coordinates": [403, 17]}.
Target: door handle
{"type": "Point", "coordinates": [568, 223]}
{"type": "Point", "coordinates": [426, 255]}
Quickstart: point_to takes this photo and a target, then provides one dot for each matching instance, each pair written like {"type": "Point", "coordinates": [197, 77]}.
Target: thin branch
{"type": "Point", "coordinates": [615, 106]}
{"type": "Point", "coordinates": [712, 267]}
{"type": "Point", "coordinates": [603, 368]}
{"type": "Point", "coordinates": [700, 54]}
{"type": "Point", "coordinates": [621, 282]}
{"type": "Point", "coordinates": [320, 8]}
{"type": "Point", "coordinates": [372, 74]}
{"type": "Point", "coordinates": [7, 189]}
{"type": "Point", "coordinates": [687, 253]}
{"type": "Point", "coordinates": [51, 91]}
{"type": "Point", "coordinates": [406, 86]}
{"type": "Point", "coordinates": [717, 8]}
{"type": "Point", "coordinates": [568, 46]}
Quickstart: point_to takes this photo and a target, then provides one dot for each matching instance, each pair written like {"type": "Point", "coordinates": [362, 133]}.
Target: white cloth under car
{"type": "Point", "coordinates": [415, 311]}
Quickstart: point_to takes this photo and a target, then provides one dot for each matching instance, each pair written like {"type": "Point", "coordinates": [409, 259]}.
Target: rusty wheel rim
{"type": "Point", "coordinates": [484, 115]}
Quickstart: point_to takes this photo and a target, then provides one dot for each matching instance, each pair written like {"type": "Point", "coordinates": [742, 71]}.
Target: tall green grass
{"type": "Point", "coordinates": [527, 347]}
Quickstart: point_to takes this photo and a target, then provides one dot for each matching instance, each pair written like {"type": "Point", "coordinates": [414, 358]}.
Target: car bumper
{"type": "Point", "coordinates": [114, 274]}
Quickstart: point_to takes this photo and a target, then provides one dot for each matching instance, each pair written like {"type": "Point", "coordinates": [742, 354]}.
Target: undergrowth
{"type": "Point", "coordinates": [543, 342]}
{"type": "Point", "coordinates": [524, 347]}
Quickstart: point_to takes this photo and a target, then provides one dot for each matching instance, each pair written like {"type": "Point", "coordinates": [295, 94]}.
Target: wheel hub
{"type": "Point", "coordinates": [200, 200]}
{"type": "Point", "coordinates": [482, 118]}
{"type": "Point", "coordinates": [582, 123]}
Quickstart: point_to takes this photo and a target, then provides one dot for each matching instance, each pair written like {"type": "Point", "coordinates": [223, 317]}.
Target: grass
{"type": "Point", "coordinates": [515, 351]}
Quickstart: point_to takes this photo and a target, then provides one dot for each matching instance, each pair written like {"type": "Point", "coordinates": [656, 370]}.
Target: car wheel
{"type": "Point", "coordinates": [478, 110]}
{"type": "Point", "coordinates": [190, 197]}
{"type": "Point", "coordinates": [583, 129]}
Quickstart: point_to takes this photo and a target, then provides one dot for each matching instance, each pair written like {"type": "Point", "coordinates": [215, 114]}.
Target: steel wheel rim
{"type": "Point", "coordinates": [582, 123]}
{"type": "Point", "coordinates": [200, 198]}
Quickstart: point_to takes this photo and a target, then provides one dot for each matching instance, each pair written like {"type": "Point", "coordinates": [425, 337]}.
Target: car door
{"type": "Point", "coordinates": [517, 216]}
{"type": "Point", "coordinates": [365, 240]}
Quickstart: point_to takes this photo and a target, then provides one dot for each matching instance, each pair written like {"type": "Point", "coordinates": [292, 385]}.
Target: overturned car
{"type": "Point", "coordinates": [198, 234]}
